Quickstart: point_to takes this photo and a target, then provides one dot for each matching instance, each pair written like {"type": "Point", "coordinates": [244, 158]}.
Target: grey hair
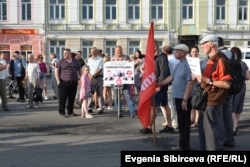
{"type": "Point", "coordinates": [31, 55]}
{"type": "Point", "coordinates": [215, 43]}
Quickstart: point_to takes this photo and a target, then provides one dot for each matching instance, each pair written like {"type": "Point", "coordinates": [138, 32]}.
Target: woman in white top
{"type": "Point", "coordinates": [194, 52]}
{"type": "Point", "coordinates": [52, 65]}
{"type": "Point", "coordinates": [107, 93]}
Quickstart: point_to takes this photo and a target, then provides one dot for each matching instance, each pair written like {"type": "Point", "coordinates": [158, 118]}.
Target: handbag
{"type": "Point", "coordinates": [37, 94]}
{"type": "Point", "coordinates": [199, 98]}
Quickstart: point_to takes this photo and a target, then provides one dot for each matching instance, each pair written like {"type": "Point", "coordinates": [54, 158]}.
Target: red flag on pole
{"type": "Point", "coordinates": [148, 81]}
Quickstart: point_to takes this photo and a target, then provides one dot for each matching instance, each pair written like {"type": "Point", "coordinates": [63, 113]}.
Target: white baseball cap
{"type": "Point", "coordinates": [209, 38]}
{"type": "Point", "coordinates": [181, 47]}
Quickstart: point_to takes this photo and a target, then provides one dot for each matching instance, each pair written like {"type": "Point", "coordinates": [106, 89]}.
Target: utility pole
{"type": "Point", "coordinates": [169, 16]}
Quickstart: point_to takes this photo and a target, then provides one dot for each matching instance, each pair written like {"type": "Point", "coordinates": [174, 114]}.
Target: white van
{"type": "Point", "coordinates": [246, 55]}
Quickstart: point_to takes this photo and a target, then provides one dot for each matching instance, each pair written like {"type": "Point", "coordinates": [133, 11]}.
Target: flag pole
{"type": "Point", "coordinates": [146, 110]}
{"type": "Point", "coordinates": [118, 98]}
{"type": "Point", "coordinates": [153, 122]}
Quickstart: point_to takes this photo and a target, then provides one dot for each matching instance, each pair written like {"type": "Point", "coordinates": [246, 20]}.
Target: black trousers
{"type": "Point", "coordinates": [21, 89]}
{"type": "Point", "coordinates": [184, 118]}
{"type": "Point", "coordinates": [66, 94]}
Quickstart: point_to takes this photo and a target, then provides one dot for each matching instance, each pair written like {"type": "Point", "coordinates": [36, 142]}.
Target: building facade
{"type": "Point", "coordinates": [22, 26]}
{"type": "Point", "coordinates": [47, 26]}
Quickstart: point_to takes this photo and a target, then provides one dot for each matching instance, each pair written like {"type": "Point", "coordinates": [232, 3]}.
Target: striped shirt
{"type": "Point", "coordinates": [68, 71]}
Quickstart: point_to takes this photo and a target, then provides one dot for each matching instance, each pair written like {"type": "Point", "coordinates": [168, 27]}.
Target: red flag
{"type": "Point", "coordinates": [148, 81]}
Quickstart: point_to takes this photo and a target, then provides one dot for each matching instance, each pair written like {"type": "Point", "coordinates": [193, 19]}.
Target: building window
{"type": "Point", "coordinates": [110, 9]}
{"type": "Point", "coordinates": [57, 47]}
{"type": "Point", "coordinates": [220, 10]}
{"type": "Point", "coordinates": [157, 9]}
{"type": "Point", "coordinates": [25, 50]}
{"type": "Point", "coordinates": [3, 10]}
{"type": "Point", "coordinates": [134, 9]}
{"type": "Point", "coordinates": [133, 46]}
{"type": "Point", "coordinates": [243, 10]}
{"type": "Point", "coordinates": [87, 9]}
{"type": "Point", "coordinates": [86, 47]}
{"type": "Point", "coordinates": [110, 48]}
{"type": "Point", "coordinates": [26, 10]}
{"type": "Point", "coordinates": [187, 9]}
{"type": "Point", "coordinates": [57, 9]}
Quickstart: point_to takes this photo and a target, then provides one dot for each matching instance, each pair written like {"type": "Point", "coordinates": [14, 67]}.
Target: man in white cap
{"type": "Point", "coordinates": [182, 85]}
{"type": "Point", "coordinates": [216, 79]}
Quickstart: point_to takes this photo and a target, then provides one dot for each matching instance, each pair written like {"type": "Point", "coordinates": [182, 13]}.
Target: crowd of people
{"type": "Point", "coordinates": [79, 83]}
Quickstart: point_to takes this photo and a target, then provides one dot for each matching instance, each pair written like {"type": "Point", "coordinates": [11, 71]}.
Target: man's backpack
{"type": "Point", "coordinates": [237, 75]}
{"type": "Point", "coordinates": [23, 73]}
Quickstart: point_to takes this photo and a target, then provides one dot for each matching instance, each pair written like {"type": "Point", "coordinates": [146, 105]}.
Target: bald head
{"type": "Point", "coordinates": [167, 49]}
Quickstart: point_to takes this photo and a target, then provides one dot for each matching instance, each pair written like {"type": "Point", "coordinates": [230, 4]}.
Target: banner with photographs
{"type": "Point", "coordinates": [118, 73]}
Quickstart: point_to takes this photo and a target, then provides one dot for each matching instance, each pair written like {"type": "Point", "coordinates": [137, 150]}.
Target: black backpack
{"type": "Point", "coordinates": [23, 72]}
{"type": "Point", "coordinates": [237, 75]}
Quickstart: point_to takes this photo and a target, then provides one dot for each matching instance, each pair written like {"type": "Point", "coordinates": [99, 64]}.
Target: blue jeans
{"type": "Point", "coordinates": [127, 96]}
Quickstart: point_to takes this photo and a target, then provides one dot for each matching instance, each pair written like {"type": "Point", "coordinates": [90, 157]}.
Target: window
{"type": "Point", "coordinates": [110, 9]}
{"type": "Point", "coordinates": [247, 55]}
{"type": "Point", "coordinates": [87, 9]}
{"type": "Point", "coordinates": [86, 47]}
{"type": "Point", "coordinates": [157, 9]}
{"type": "Point", "coordinates": [26, 10]}
{"type": "Point", "coordinates": [243, 10]}
{"type": "Point", "coordinates": [3, 10]}
{"type": "Point", "coordinates": [187, 9]}
{"type": "Point", "coordinates": [57, 47]}
{"type": "Point", "coordinates": [220, 10]}
{"type": "Point", "coordinates": [133, 9]}
{"type": "Point", "coordinates": [25, 50]}
{"type": "Point", "coordinates": [57, 9]}
{"type": "Point", "coordinates": [133, 46]}
{"type": "Point", "coordinates": [110, 48]}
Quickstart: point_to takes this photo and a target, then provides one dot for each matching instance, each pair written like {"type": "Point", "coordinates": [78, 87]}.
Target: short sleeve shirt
{"type": "Point", "coordinates": [3, 73]}
{"type": "Point", "coordinates": [181, 74]}
{"type": "Point", "coordinates": [95, 63]}
{"type": "Point", "coordinates": [33, 69]}
{"type": "Point", "coordinates": [68, 71]}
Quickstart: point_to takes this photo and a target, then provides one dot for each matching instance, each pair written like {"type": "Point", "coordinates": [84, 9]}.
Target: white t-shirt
{"type": "Point", "coordinates": [33, 69]}
{"type": "Point", "coordinates": [54, 62]}
{"type": "Point", "coordinates": [3, 73]}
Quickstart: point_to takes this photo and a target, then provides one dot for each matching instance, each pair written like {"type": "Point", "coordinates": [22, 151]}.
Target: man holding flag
{"type": "Point", "coordinates": [155, 70]}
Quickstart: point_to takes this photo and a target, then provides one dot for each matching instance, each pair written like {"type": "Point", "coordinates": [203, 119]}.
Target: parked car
{"type": "Point", "coordinates": [246, 55]}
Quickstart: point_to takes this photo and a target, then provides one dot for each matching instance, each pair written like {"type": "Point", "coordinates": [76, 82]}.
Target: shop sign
{"type": "Point", "coordinates": [4, 47]}
{"type": "Point", "coordinates": [19, 31]}
{"type": "Point", "coordinates": [26, 47]}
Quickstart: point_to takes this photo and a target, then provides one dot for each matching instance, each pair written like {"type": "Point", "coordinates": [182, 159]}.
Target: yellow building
{"type": "Point", "coordinates": [82, 24]}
